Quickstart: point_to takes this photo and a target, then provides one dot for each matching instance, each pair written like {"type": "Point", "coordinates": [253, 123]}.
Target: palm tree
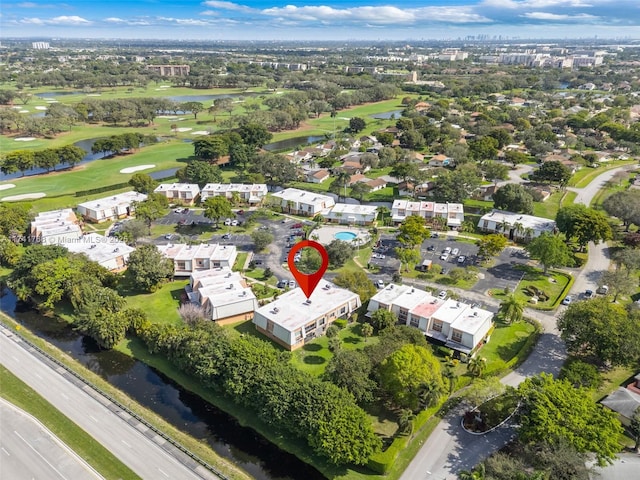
{"type": "Point", "coordinates": [528, 234]}
{"type": "Point", "coordinates": [518, 229]}
{"type": "Point", "coordinates": [477, 473]}
{"type": "Point", "coordinates": [383, 212]}
{"type": "Point", "coordinates": [405, 422]}
{"type": "Point", "coordinates": [450, 375]}
{"type": "Point", "coordinates": [429, 393]}
{"type": "Point", "coordinates": [476, 366]}
{"type": "Point", "coordinates": [512, 309]}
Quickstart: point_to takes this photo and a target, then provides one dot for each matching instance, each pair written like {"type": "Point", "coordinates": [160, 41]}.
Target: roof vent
{"type": "Point", "coordinates": [92, 246]}
{"type": "Point", "coordinates": [276, 309]}
{"type": "Point", "coordinates": [308, 301]}
{"type": "Point", "coordinates": [458, 304]}
{"type": "Point", "coordinates": [475, 314]}
{"type": "Point", "coordinates": [116, 249]}
{"type": "Point", "coordinates": [413, 289]}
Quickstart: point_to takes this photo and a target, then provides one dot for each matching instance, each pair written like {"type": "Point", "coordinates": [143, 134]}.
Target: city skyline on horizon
{"type": "Point", "coordinates": [310, 20]}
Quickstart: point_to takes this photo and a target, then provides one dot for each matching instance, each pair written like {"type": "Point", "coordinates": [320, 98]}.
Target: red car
{"type": "Point", "coordinates": [296, 225]}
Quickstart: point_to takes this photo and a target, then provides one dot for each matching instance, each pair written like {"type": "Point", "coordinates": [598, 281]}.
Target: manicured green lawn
{"type": "Point", "coordinates": [505, 343]}
{"type": "Point", "coordinates": [20, 394]}
{"type": "Point", "coordinates": [549, 208]}
{"type": "Point", "coordinates": [315, 355]}
{"type": "Point", "coordinates": [552, 284]}
{"type": "Point", "coordinates": [160, 306]}
{"type": "Point", "coordinates": [612, 379]}
{"type": "Point", "coordinates": [585, 176]}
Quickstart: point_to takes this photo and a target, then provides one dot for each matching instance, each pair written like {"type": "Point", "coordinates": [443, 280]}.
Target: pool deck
{"type": "Point", "coordinates": [326, 234]}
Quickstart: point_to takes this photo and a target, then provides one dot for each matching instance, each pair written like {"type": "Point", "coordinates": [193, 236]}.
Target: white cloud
{"type": "Point", "coordinates": [554, 17]}
{"type": "Point", "coordinates": [513, 4]}
{"type": "Point", "coordinates": [115, 20]}
{"type": "Point", "coordinates": [68, 20]}
{"type": "Point", "coordinates": [227, 6]}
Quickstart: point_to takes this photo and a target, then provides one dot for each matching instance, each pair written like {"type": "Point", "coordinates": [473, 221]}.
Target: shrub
{"type": "Point", "coordinates": [340, 323]}
{"type": "Point", "coordinates": [191, 313]}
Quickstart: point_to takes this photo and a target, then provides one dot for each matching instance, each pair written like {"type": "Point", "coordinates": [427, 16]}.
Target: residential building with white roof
{"type": "Point", "coordinates": [292, 319]}
{"type": "Point", "coordinates": [452, 212]}
{"type": "Point", "coordinates": [223, 295]}
{"type": "Point", "coordinates": [192, 258]}
{"type": "Point", "coordinates": [450, 323]}
{"type": "Point", "coordinates": [301, 202]}
{"type": "Point", "coordinates": [248, 193]}
{"type": "Point", "coordinates": [515, 226]}
{"type": "Point", "coordinates": [109, 252]}
{"type": "Point", "coordinates": [352, 214]}
{"type": "Point", "coordinates": [110, 208]}
{"type": "Point", "coordinates": [54, 227]}
{"type": "Point", "coordinates": [186, 193]}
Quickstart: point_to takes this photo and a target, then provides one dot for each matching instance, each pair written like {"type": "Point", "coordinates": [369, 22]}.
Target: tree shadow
{"type": "Point", "coordinates": [351, 339]}
{"type": "Point", "coordinates": [312, 347]}
{"type": "Point", "coordinates": [314, 360]}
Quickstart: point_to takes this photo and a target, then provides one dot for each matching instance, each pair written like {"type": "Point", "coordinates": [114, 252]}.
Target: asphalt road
{"type": "Point", "coordinates": [626, 467]}
{"type": "Point", "coordinates": [29, 450]}
{"type": "Point", "coordinates": [586, 194]}
{"type": "Point", "coordinates": [147, 454]}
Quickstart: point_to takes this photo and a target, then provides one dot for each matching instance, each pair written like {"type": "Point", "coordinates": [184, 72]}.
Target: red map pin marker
{"type": "Point", "coordinates": [308, 283]}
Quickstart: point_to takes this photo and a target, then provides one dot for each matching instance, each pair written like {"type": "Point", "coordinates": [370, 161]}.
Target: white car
{"type": "Point", "coordinates": [447, 250]}
{"type": "Point", "coordinates": [461, 259]}
{"type": "Point", "coordinates": [444, 256]}
{"type": "Point", "coordinates": [442, 295]}
{"type": "Point", "coordinates": [455, 252]}
{"type": "Point", "coordinates": [234, 223]}
{"type": "Point", "coordinates": [379, 283]}
{"type": "Point", "coordinates": [178, 210]}
{"type": "Point", "coordinates": [227, 222]}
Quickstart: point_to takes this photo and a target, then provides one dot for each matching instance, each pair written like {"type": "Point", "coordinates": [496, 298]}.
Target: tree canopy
{"type": "Point", "coordinates": [552, 172]}
{"type": "Point", "coordinates": [148, 268]}
{"type": "Point", "coordinates": [583, 223]}
{"type": "Point", "coordinates": [358, 282]}
{"type": "Point", "coordinates": [551, 250]}
{"type": "Point", "coordinates": [413, 231]}
{"type": "Point", "coordinates": [513, 198]}
{"type": "Point", "coordinates": [553, 411]}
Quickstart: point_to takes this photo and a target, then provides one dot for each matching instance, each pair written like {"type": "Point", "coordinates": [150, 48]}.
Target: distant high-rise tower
{"type": "Point", "coordinates": [40, 45]}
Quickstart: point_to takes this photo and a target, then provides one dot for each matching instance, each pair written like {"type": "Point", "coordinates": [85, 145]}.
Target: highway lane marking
{"type": "Point", "coordinates": [40, 455]}
{"type": "Point", "coordinates": [163, 473]}
{"type": "Point", "coordinates": [126, 443]}
{"type": "Point", "coordinates": [3, 449]}
{"type": "Point", "coordinates": [93, 418]}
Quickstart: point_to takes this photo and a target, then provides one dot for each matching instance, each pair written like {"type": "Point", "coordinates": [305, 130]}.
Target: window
{"type": "Point", "coordinates": [343, 310]}
{"type": "Point", "coordinates": [322, 321]}
{"type": "Point", "coordinates": [485, 224]}
{"type": "Point", "coordinates": [269, 326]}
{"type": "Point", "coordinates": [182, 266]}
{"type": "Point", "coordinates": [437, 325]}
{"type": "Point", "coordinates": [415, 322]}
{"type": "Point", "coordinates": [456, 336]}
{"type": "Point", "coordinates": [402, 315]}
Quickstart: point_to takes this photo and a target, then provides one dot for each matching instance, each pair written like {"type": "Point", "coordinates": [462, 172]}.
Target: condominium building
{"type": "Point", "coordinates": [347, 213]}
{"type": "Point", "coordinates": [293, 319]}
{"type": "Point", "coordinates": [515, 226]}
{"type": "Point", "coordinates": [452, 212]}
{"type": "Point", "coordinates": [247, 193]}
{"type": "Point", "coordinates": [192, 258]}
{"type": "Point", "coordinates": [223, 295]}
{"type": "Point", "coordinates": [110, 208]}
{"type": "Point", "coordinates": [108, 252]}
{"type": "Point", "coordinates": [186, 193]}
{"type": "Point", "coordinates": [300, 202]}
{"type": "Point", "coordinates": [451, 323]}
{"type": "Point", "coordinates": [170, 70]}
{"type": "Point", "coordinates": [54, 227]}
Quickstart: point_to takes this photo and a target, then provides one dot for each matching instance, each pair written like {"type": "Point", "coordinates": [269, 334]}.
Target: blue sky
{"type": "Point", "coordinates": [320, 20]}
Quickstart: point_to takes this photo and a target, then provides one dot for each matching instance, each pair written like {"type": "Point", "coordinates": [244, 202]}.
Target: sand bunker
{"type": "Point", "coordinates": [24, 196]}
{"type": "Point", "coordinates": [40, 108]}
{"type": "Point", "coordinates": [200, 132]}
{"type": "Point", "coordinates": [25, 139]}
{"type": "Point", "coordinates": [136, 169]}
{"type": "Point", "coordinates": [17, 107]}
{"type": "Point", "coordinates": [7, 186]}
{"type": "Point", "coordinates": [94, 94]}
{"type": "Point", "coordinates": [23, 111]}
{"type": "Point", "coordinates": [183, 129]}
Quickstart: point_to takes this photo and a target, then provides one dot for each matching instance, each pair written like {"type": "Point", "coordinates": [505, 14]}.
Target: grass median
{"type": "Point", "coordinates": [102, 460]}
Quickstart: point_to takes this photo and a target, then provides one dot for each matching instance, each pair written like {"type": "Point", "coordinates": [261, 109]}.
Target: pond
{"type": "Point", "coordinates": [204, 98]}
{"type": "Point", "coordinates": [291, 143]}
{"type": "Point", "coordinates": [57, 94]}
{"type": "Point", "coordinates": [180, 407]}
{"type": "Point", "coordinates": [388, 115]}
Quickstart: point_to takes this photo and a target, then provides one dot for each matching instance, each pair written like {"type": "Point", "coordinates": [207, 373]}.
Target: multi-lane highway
{"type": "Point", "coordinates": [28, 450]}
{"type": "Point", "coordinates": [142, 450]}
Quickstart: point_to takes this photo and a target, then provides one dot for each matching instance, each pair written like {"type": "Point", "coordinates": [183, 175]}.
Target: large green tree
{"type": "Point", "coordinates": [339, 252]}
{"type": "Point", "coordinates": [512, 309]}
{"type": "Point", "coordinates": [351, 370]}
{"type": "Point", "coordinates": [552, 172]}
{"type": "Point", "coordinates": [514, 198]}
{"type": "Point", "coordinates": [491, 245]}
{"type": "Point", "coordinates": [382, 319]}
{"type": "Point", "coordinates": [619, 281]}
{"type": "Point", "coordinates": [583, 223]}
{"type": "Point", "coordinates": [14, 219]}
{"type": "Point", "coordinates": [154, 207]}
{"type": "Point", "coordinates": [601, 331]}
{"type": "Point", "coordinates": [407, 256]}
{"type": "Point", "coordinates": [358, 282]}
{"type": "Point", "coordinates": [458, 185]}
{"type": "Point", "coordinates": [483, 148]}
{"type": "Point", "coordinates": [216, 208]}
{"type": "Point", "coordinates": [261, 240]}
{"type": "Point", "coordinates": [148, 268]}
{"type": "Point", "coordinates": [553, 411]}
{"type": "Point", "coordinates": [551, 250]}
{"type": "Point", "coordinates": [413, 231]}
{"type": "Point", "coordinates": [200, 172]}
{"type": "Point", "coordinates": [142, 183]}
{"type": "Point", "coordinates": [403, 373]}
{"type": "Point", "coordinates": [625, 205]}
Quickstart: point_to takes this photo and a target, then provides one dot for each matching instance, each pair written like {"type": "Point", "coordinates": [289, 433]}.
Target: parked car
{"type": "Point", "coordinates": [185, 210]}
{"type": "Point", "coordinates": [379, 283]}
{"type": "Point", "coordinates": [292, 284]}
{"type": "Point", "coordinates": [461, 259]}
{"type": "Point", "coordinates": [442, 295]}
{"type": "Point", "coordinates": [434, 235]}
{"type": "Point", "coordinates": [567, 300]}
{"type": "Point", "coordinates": [455, 251]}
{"type": "Point", "coordinates": [282, 283]}
{"type": "Point", "coordinates": [296, 225]}
{"type": "Point", "coordinates": [234, 223]}
{"type": "Point", "coordinates": [444, 271]}
{"type": "Point", "coordinates": [431, 248]}
{"type": "Point", "coordinates": [444, 256]}
{"type": "Point", "coordinates": [258, 262]}
{"type": "Point", "coordinates": [603, 290]}
{"type": "Point", "coordinates": [589, 294]}
{"type": "Point", "coordinates": [240, 212]}
{"type": "Point", "coordinates": [226, 236]}
{"type": "Point", "coordinates": [168, 236]}
{"type": "Point", "coordinates": [178, 210]}
{"type": "Point", "coordinates": [447, 250]}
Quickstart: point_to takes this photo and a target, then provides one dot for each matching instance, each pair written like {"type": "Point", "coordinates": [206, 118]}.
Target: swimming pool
{"type": "Point", "coordinates": [345, 236]}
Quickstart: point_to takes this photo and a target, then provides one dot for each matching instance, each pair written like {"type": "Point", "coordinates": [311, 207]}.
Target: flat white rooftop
{"type": "Point", "coordinates": [389, 293]}
{"type": "Point", "coordinates": [98, 248]}
{"type": "Point", "coordinates": [302, 196]}
{"type": "Point", "coordinates": [471, 320]}
{"type": "Point", "coordinates": [212, 251]}
{"type": "Point", "coordinates": [527, 221]}
{"type": "Point", "coordinates": [348, 209]}
{"type": "Point", "coordinates": [292, 310]}
{"type": "Point", "coordinates": [180, 187]}
{"type": "Point", "coordinates": [234, 187]}
{"type": "Point", "coordinates": [125, 198]}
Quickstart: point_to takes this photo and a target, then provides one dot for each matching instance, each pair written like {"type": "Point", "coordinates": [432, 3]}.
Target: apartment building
{"type": "Point", "coordinates": [108, 252]}
{"type": "Point", "coordinates": [300, 202]}
{"type": "Point", "coordinates": [110, 208]}
{"type": "Point", "coordinates": [253, 194]}
{"type": "Point", "coordinates": [55, 227]}
{"type": "Point", "coordinates": [515, 226]}
{"type": "Point", "coordinates": [452, 212]}
{"type": "Point", "coordinates": [186, 193]}
{"type": "Point", "coordinates": [188, 259]}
